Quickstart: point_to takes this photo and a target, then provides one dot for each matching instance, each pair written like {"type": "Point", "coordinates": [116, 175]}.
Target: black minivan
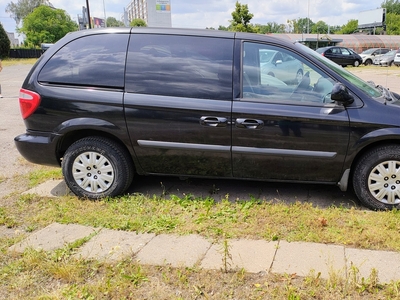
{"type": "Point", "coordinates": [109, 104]}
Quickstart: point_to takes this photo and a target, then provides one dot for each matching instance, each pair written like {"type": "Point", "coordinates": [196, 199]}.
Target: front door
{"type": "Point", "coordinates": [287, 131]}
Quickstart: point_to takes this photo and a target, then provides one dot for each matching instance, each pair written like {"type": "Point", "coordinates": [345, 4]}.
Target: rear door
{"type": "Point", "coordinates": [286, 131]}
{"type": "Point", "coordinates": [178, 103]}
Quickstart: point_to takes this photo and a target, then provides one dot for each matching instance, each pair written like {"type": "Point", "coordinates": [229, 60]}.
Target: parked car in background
{"type": "Point", "coordinates": [369, 55]}
{"type": "Point", "coordinates": [341, 55]}
{"type": "Point", "coordinates": [107, 105]}
{"type": "Point", "coordinates": [396, 60]}
{"type": "Point", "coordinates": [386, 60]}
{"type": "Point", "coordinates": [281, 65]}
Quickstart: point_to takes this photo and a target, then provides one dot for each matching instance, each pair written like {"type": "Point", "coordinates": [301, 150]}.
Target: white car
{"type": "Point", "coordinates": [370, 54]}
{"type": "Point", "coordinates": [396, 60]}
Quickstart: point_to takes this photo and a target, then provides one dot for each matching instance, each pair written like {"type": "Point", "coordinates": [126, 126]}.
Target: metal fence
{"type": "Point", "coordinates": [25, 53]}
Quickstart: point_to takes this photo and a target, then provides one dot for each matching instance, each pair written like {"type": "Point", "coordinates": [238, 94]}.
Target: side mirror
{"type": "Point", "coordinates": [278, 62]}
{"type": "Point", "coordinates": [341, 94]}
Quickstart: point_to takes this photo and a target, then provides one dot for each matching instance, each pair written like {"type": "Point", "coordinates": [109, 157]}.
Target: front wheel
{"type": "Point", "coordinates": [356, 63]}
{"type": "Point", "coordinates": [376, 178]}
{"type": "Point", "coordinates": [97, 167]}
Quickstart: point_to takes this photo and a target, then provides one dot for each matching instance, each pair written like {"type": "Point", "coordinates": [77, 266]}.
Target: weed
{"type": "Point", "coordinates": [226, 255]}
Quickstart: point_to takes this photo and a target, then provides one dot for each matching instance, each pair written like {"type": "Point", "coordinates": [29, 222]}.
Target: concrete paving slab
{"type": "Point", "coordinates": [387, 263]}
{"type": "Point", "coordinates": [173, 250]}
{"type": "Point", "coordinates": [301, 258]}
{"type": "Point", "coordinates": [50, 188]}
{"type": "Point", "coordinates": [111, 245]}
{"type": "Point", "coordinates": [53, 237]}
{"type": "Point", "coordinates": [252, 255]}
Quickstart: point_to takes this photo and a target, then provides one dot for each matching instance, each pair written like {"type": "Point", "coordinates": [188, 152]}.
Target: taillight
{"type": "Point", "coordinates": [28, 102]}
{"type": "Point", "coordinates": [323, 54]}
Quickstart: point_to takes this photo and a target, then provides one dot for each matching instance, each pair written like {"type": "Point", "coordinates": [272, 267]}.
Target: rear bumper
{"type": "Point", "coordinates": [38, 147]}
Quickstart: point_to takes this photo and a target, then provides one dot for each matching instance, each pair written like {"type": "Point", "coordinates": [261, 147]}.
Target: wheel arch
{"type": "Point", "coordinates": [74, 130]}
{"type": "Point", "coordinates": [365, 150]}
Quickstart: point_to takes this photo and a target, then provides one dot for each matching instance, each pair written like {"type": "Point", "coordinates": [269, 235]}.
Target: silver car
{"type": "Point", "coordinates": [282, 66]}
{"type": "Point", "coordinates": [386, 59]}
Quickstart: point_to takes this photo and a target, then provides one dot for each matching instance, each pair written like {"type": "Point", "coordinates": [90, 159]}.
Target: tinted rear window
{"type": "Point", "coordinates": [97, 60]}
{"type": "Point", "coordinates": [180, 66]}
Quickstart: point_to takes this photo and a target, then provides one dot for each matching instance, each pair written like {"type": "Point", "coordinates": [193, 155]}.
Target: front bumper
{"type": "Point", "coordinates": [38, 147]}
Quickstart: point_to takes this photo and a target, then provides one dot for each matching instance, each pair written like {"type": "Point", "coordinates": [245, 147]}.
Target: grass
{"type": "Point", "coordinates": [17, 61]}
{"type": "Point", "coordinates": [60, 275]}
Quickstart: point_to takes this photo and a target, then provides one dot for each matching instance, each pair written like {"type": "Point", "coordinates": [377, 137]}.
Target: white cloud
{"type": "Point", "coordinates": [211, 13]}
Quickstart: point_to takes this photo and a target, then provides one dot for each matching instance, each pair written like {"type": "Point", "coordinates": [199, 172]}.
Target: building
{"type": "Point", "coordinates": [14, 42]}
{"type": "Point", "coordinates": [156, 13]}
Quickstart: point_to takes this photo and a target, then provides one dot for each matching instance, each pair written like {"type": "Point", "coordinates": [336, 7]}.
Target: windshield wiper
{"type": "Point", "coordinates": [387, 95]}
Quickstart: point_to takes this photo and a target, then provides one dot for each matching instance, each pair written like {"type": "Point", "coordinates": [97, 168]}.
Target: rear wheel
{"type": "Point", "coordinates": [376, 178]}
{"type": "Point", "coordinates": [97, 167]}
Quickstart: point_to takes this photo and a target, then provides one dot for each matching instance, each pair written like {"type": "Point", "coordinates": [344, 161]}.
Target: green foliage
{"type": "Point", "coordinates": [320, 27]}
{"type": "Point", "coordinates": [241, 18]}
{"type": "Point", "coordinates": [392, 6]}
{"type": "Point", "coordinates": [138, 23]}
{"type": "Point", "coordinates": [18, 11]}
{"type": "Point", "coordinates": [392, 24]}
{"type": "Point", "coordinates": [46, 25]}
{"type": "Point", "coordinates": [113, 22]}
{"type": "Point", "coordinates": [271, 27]}
{"type": "Point", "coordinates": [300, 25]}
{"type": "Point", "coordinates": [4, 44]}
{"type": "Point", "coordinates": [349, 28]}
{"type": "Point", "coordinates": [224, 28]}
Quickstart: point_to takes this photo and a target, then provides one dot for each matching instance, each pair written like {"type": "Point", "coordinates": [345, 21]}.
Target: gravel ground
{"type": "Point", "coordinates": [12, 165]}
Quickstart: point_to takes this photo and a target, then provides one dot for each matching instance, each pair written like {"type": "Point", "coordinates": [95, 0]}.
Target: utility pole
{"type": "Point", "coordinates": [88, 13]}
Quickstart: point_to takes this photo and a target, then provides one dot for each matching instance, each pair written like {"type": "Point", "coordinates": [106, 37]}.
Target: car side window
{"type": "Point", "coordinates": [97, 61]}
{"type": "Point", "coordinates": [180, 66]}
{"type": "Point", "coordinates": [345, 51]}
{"type": "Point", "coordinates": [284, 81]}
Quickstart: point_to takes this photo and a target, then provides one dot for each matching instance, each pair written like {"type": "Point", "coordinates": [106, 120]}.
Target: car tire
{"type": "Point", "coordinates": [356, 63]}
{"type": "Point", "coordinates": [368, 62]}
{"type": "Point", "coordinates": [112, 163]}
{"type": "Point", "coordinates": [376, 178]}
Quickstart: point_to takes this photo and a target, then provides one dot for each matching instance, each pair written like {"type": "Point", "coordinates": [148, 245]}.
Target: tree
{"type": "Point", "coordinates": [113, 22]}
{"type": "Point", "coordinates": [300, 25]}
{"type": "Point", "coordinates": [138, 23]}
{"type": "Point", "coordinates": [22, 8]}
{"type": "Point", "coordinates": [350, 27]}
{"type": "Point", "coordinates": [392, 6]}
{"type": "Point", "coordinates": [271, 27]}
{"type": "Point", "coordinates": [46, 25]}
{"type": "Point", "coordinates": [320, 27]}
{"type": "Point", "coordinates": [4, 43]}
{"type": "Point", "coordinates": [241, 19]}
{"type": "Point", "coordinates": [392, 24]}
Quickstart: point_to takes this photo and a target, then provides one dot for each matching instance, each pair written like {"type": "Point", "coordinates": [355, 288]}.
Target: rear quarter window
{"type": "Point", "coordinates": [96, 60]}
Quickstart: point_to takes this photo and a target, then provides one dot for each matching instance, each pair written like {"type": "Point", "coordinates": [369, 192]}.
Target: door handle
{"type": "Point", "coordinates": [213, 121]}
{"type": "Point", "coordinates": [249, 123]}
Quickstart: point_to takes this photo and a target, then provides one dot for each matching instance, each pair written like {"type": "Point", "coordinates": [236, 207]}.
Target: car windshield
{"type": "Point", "coordinates": [364, 86]}
{"type": "Point", "coordinates": [368, 51]}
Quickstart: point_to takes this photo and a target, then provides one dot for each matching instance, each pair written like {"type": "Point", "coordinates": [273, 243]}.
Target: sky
{"type": "Point", "coordinates": [212, 13]}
